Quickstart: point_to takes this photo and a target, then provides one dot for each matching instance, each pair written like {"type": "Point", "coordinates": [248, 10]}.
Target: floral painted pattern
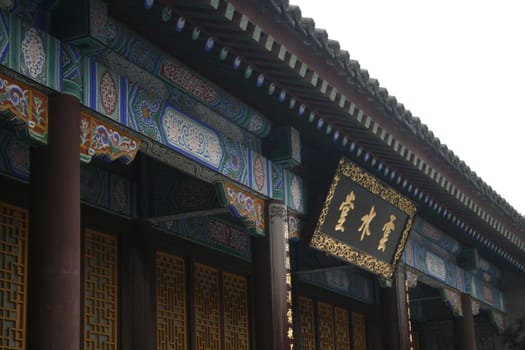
{"type": "Point", "coordinates": [108, 93]}
{"type": "Point", "coordinates": [258, 173]}
{"type": "Point", "coordinates": [234, 163]}
{"type": "Point", "coordinates": [188, 136]}
{"type": "Point", "coordinates": [188, 81]}
{"type": "Point", "coordinates": [33, 52]}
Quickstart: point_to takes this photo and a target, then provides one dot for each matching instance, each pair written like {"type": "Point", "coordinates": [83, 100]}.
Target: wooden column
{"type": "Point", "coordinates": [139, 324]}
{"type": "Point", "coordinates": [389, 320]}
{"type": "Point", "coordinates": [402, 308]}
{"type": "Point", "coordinates": [464, 333]}
{"type": "Point", "coordinates": [269, 255]}
{"type": "Point", "coordinates": [395, 321]}
{"type": "Point", "coordinates": [54, 234]}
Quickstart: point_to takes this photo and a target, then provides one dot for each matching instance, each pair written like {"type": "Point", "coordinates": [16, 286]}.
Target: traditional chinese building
{"type": "Point", "coordinates": [213, 174]}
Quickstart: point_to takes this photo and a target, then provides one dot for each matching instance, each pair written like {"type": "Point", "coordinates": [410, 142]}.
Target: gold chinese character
{"type": "Point", "coordinates": [290, 315]}
{"type": "Point", "coordinates": [345, 207]}
{"type": "Point", "coordinates": [387, 230]}
{"type": "Point", "coordinates": [290, 333]}
{"type": "Point", "coordinates": [366, 220]}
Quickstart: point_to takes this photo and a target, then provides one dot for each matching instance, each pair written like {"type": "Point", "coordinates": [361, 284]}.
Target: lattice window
{"type": "Point", "coordinates": [171, 303]}
{"type": "Point", "coordinates": [100, 291]}
{"type": "Point", "coordinates": [207, 310]}
{"type": "Point", "coordinates": [342, 329]}
{"type": "Point", "coordinates": [236, 326]}
{"type": "Point", "coordinates": [13, 275]}
{"type": "Point", "coordinates": [326, 326]}
{"type": "Point", "coordinates": [306, 318]}
{"type": "Point", "coordinates": [359, 331]}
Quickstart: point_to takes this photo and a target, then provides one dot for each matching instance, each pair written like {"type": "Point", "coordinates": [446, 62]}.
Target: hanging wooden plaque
{"type": "Point", "coordinates": [363, 221]}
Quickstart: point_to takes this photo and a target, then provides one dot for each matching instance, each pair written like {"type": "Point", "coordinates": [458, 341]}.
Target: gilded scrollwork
{"type": "Point", "coordinates": [332, 246]}
{"type": "Point", "coordinates": [369, 182]}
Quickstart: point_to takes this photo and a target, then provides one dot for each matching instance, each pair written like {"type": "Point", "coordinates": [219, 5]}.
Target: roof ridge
{"type": "Point", "coordinates": [319, 37]}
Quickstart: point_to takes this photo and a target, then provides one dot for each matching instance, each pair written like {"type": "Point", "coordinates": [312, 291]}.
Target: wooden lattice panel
{"type": "Point", "coordinates": [306, 317]}
{"type": "Point", "coordinates": [326, 326]}
{"type": "Point", "coordinates": [171, 303]}
{"type": "Point", "coordinates": [100, 291]}
{"type": "Point", "coordinates": [236, 326]}
{"type": "Point", "coordinates": [207, 310]}
{"type": "Point", "coordinates": [342, 329]}
{"type": "Point", "coordinates": [13, 275]}
{"type": "Point", "coordinates": [359, 331]}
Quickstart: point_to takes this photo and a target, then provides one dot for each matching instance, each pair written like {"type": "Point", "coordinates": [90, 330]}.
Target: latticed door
{"type": "Point", "coordinates": [219, 311]}
{"type": "Point", "coordinates": [100, 291]}
{"type": "Point", "coordinates": [171, 303]}
{"type": "Point", "coordinates": [235, 306]}
{"type": "Point", "coordinates": [359, 331]}
{"type": "Point", "coordinates": [13, 276]}
{"type": "Point", "coordinates": [329, 327]}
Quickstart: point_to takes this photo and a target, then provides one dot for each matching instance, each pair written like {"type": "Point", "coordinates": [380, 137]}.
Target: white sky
{"type": "Point", "coordinates": [459, 65]}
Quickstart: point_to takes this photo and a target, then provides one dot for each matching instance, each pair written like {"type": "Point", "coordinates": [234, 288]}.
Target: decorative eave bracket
{"type": "Point", "coordinates": [24, 108]}
{"type": "Point", "coordinates": [245, 206]}
{"type": "Point", "coordinates": [100, 139]}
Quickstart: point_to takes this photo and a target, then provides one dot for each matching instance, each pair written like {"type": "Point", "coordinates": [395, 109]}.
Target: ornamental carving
{"type": "Point", "coordinates": [24, 107]}
{"type": "Point", "coordinates": [100, 139]}
{"type": "Point", "coordinates": [278, 211]}
{"type": "Point", "coordinates": [475, 307]}
{"type": "Point", "coordinates": [295, 226]}
{"type": "Point", "coordinates": [453, 300]}
{"type": "Point", "coordinates": [411, 279]}
{"type": "Point", "coordinates": [245, 206]}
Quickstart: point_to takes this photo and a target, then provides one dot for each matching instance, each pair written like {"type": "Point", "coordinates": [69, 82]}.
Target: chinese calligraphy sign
{"type": "Point", "coordinates": [363, 221]}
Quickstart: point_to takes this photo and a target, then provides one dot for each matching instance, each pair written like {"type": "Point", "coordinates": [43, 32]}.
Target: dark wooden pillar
{"type": "Point", "coordinates": [271, 325]}
{"type": "Point", "coordinates": [402, 308]}
{"type": "Point", "coordinates": [395, 320]}
{"type": "Point", "coordinates": [390, 324]}
{"type": "Point", "coordinates": [54, 235]}
{"type": "Point", "coordinates": [139, 324]}
{"type": "Point", "coordinates": [464, 334]}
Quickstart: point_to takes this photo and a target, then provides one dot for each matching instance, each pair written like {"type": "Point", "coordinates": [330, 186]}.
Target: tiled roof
{"type": "Point", "coordinates": [291, 15]}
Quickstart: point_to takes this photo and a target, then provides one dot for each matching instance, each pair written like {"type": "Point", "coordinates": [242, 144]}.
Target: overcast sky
{"type": "Point", "coordinates": [458, 65]}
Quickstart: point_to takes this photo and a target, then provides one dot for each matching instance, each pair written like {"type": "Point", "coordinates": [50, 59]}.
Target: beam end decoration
{"type": "Point", "coordinates": [23, 108]}
{"type": "Point", "coordinates": [453, 301]}
{"type": "Point", "coordinates": [100, 139]}
{"type": "Point", "coordinates": [363, 221]}
{"type": "Point", "coordinates": [243, 205]}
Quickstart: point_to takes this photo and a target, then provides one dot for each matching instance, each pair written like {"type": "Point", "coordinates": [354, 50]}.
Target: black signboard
{"type": "Point", "coordinates": [364, 221]}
